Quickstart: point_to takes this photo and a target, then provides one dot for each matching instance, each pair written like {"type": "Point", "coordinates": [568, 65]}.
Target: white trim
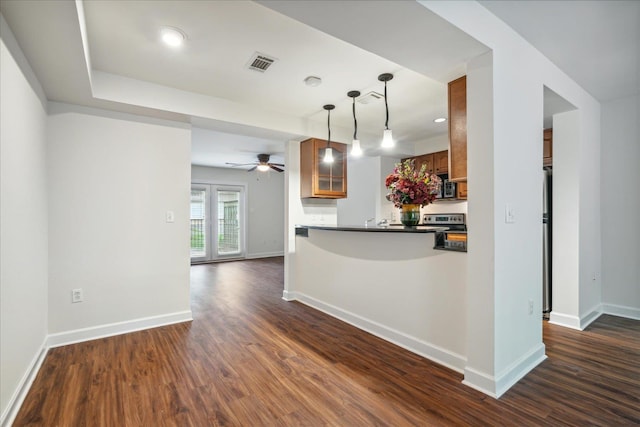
{"type": "Point", "coordinates": [497, 386]}
{"type": "Point", "coordinates": [480, 381]}
{"type": "Point", "coordinates": [575, 322]}
{"type": "Point", "coordinates": [518, 369]}
{"type": "Point", "coordinates": [591, 315]}
{"type": "Point", "coordinates": [621, 311]}
{"type": "Point", "coordinates": [10, 412]}
{"type": "Point", "coordinates": [432, 352]}
{"type": "Point", "coordinates": [264, 255]}
{"type": "Point", "coordinates": [111, 329]}
{"type": "Point", "coordinates": [288, 296]}
{"type": "Point", "coordinates": [566, 320]}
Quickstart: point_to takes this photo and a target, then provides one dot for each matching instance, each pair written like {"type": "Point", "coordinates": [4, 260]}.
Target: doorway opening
{"type": "Point", "coordinates": [217, 222]}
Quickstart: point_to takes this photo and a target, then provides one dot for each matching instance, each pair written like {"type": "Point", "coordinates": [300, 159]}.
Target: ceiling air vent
{"type": "Point", "coordinates": [371, 97]}
{"type": "Point", "coordinates": [260, 62]}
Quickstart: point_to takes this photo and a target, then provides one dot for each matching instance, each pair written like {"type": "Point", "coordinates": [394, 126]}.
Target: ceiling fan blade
{"type": "Point", "coordinates": [239, 164]}
{"type": "Point", "coordinates": [277, 164]}
{"type": "Point", "coordinates": [252, 169]}
{"type": "Point", "coordinates": [275, 168]}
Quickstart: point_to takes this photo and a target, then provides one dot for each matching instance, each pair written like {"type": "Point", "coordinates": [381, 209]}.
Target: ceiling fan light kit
{"type": "Point", "coordinates": [263, 164]}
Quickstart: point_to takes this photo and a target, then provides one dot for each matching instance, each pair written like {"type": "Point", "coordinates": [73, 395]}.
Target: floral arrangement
{"type": "Point", "coordinates": [409, 186]}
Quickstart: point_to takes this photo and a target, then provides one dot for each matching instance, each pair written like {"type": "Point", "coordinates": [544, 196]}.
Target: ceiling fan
{"type": "Point", "coordinates": [262, 164]}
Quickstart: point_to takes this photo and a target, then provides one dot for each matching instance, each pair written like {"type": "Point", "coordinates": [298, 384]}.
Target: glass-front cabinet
{"type": "Point", "coordinates": [319, 179]}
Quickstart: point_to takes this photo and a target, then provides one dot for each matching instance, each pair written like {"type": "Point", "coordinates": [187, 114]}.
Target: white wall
{"type": "Point", "coordinates": [363, 180]}
{"type": "Point", "coordinates": [620, 207]}
{"type": "Point", "coordinates": [265, 205]}
{"type": "Point", "coordinates": [112, 177]}
{"type": "Point", "coordinates": [432, 145]}
{"type": "Point", "coordinates": [519, 75]}
{"type": "Point", "coordinates": [367, 192]}
{"type": "Point", "coordinates": [23, 225]}
{"type": "Point", "coordinates": [565, 245]}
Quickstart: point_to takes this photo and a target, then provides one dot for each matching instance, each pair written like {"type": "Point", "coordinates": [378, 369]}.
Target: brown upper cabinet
{"type": "Point", "coordinates": [319, 179]}
{"type": "Point", "coordinates": [547, 147]}
{"type": "Point", "coordinates": [441, 162]}
{"type": "Point", "coordinates": [461, 190]}
{"type": "Point", "coordinates": [436, 162]}
{"type": "Point", "coordinates": [458, 129]}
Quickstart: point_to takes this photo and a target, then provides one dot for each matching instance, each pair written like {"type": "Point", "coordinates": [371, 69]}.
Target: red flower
{"type": "Point", "coordinates": [409, 186]}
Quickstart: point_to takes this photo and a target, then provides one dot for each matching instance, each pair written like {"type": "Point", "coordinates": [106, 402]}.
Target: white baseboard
{"type": "Point", "coordinates": [480, 381]}
{"type": "Point", "coordinates": [265, 255]}
{"type": "Point", "coordinates": [79, 335]}
{"type": "Point", "coordinates": [575, 322]}
{"type": "Point", "coordinates": [496, 386]}
{"type": "Point", "coordinates": [621, 311]}
{"type": "Point", "coordinates": [9, 414]}
{"type": "Point", "coordinates": [566, 320]}
{"type": "Point", "coordinates": [591, 315]}
{"type": "Point", "coordinates": [432, 352]}
{"type": "Point", "coordinates": [102, 331]}
{"type": "Point", "coordinates": [288, 296]}
{"type": "Point", "coordinates": [521, 367]}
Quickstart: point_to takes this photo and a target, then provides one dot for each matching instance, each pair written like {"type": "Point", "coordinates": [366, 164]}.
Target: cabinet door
{"type": "Point", "coordinates": [458, 129]}
{"type": "Point", "coordinates": [331, 178]}
{"type": "Point", "coordinates": [319, 179]}
{"type": "Point", "coordinates": [441, 162]}
{"type": "Point", "coordinates": [461, 190]}
{"type": "Point", "coordinates": [424, 159]}
{"type": "Point", "coordinates": [547, 147]}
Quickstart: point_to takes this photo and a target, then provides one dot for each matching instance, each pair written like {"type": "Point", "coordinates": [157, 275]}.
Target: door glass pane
{"type": "Point", "coordinates": [228, 239]}
{"type": "Point", "coordinates": [198, 224]}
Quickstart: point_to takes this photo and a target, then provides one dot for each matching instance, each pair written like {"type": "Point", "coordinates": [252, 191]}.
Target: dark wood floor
{"type": "Point", "coordinates": [251, 359]}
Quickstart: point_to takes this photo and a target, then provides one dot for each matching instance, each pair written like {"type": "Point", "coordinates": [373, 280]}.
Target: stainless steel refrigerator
{"type": "Point", "coordinates": [546, 242]}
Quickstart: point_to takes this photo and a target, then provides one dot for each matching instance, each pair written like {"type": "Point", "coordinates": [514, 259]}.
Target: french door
{"type": "Point", "coordinates": [217, 222]}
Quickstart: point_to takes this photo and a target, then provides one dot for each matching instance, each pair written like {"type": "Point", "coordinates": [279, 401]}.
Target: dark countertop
{"type": "Point", "coordinates": [374, 228]}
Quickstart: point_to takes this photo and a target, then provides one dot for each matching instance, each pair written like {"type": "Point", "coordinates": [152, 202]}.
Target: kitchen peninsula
{"type": "Point", "coordinates": [388, 281]}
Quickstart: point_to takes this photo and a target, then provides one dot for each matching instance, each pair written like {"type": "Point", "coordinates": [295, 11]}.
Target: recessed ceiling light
{"type": "Point", "coordinates": [440, 120]}
{"type": "Point", "coordinates": [172, 36]}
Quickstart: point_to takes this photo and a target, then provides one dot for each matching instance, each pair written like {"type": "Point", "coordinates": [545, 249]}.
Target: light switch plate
{"type": "Point", "coordinates": [509, 214]}
{"type": "Point", "coordinates": [170, 216]}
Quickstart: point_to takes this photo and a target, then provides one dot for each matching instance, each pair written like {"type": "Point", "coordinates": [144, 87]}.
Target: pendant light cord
{"type": "Point", "coordinates": [355, 121]}
{"type": "Point", "coordinates": [329, 126]}
{"type": "Point", "coordinates": [386, 106]}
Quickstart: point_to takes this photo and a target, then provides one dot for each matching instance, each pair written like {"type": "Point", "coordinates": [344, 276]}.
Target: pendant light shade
{"type": "Point", "coordinates": [328, 152]}
{"type": "Point", "coordinates": [355, 145]}
{"type": "Point", "coordinates": [387, 137]}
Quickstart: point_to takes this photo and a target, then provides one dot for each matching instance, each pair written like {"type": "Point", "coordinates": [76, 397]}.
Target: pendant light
{"type": "Point", "coordinates": [387, 137]}
{"type": "Point", "coordinates": [355, 145]}
{"type": "Point", "coordinates": [328, 152]}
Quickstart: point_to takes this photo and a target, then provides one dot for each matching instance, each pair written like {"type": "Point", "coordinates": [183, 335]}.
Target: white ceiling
{"type": "Point", "coordinates": [597, 43]}
{"type": "Point", "coordinates": [120, 65]}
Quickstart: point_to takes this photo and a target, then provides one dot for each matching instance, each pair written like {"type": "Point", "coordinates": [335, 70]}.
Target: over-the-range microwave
{"type": "Point", "coordinates": [447, 190]}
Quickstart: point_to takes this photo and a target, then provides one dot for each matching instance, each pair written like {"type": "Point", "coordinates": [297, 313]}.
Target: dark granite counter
{"type": "Point", "coordinates": [302, 230]}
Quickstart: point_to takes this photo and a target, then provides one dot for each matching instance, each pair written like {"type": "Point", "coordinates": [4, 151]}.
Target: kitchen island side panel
{"type": "Point", "coordinates": [394, 285]}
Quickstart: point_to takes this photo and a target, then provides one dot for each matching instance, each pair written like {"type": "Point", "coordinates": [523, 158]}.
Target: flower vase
{"type": "Point", "coordinates": [410, 214]}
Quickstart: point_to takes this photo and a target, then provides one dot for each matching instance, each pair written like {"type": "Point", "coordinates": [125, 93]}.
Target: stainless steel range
{"type": "Point", "coordinates": [455, 238]}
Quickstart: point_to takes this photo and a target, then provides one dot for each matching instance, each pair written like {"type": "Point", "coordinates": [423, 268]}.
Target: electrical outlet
{"type": "Point", "coordinates": [76, 295]}
{"type": "Point", "coordinates": [530, 307]}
